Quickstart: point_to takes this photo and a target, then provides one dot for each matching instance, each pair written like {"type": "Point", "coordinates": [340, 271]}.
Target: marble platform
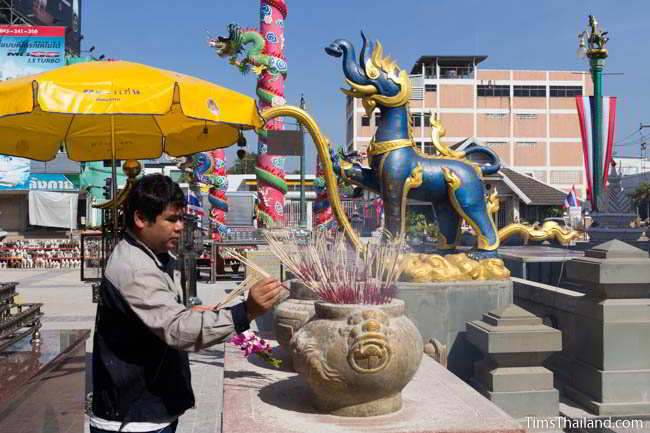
{"type": "Point", "coordinates": [260, 398]}
{"type": "Point", "coordinates": [42, 388]}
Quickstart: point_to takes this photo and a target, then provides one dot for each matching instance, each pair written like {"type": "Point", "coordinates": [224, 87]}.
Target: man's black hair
{"type": "Point", "coordinates": [150, 195]}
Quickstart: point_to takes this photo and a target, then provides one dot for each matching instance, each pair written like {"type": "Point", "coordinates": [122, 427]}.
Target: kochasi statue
{"type": "Point", "coordinates": [397, 170]}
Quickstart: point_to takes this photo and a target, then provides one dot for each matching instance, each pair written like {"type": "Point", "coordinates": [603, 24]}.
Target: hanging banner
{"type": "Point", "coordinates": [585, 106]}
{"type": "Point", "coordinates": [53, 209]}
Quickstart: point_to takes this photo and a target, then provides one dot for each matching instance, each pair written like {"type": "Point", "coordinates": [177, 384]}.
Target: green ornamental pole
{"type": "Point", "coordinates": [597, 53]}
{"type": "Point", "coordinates": [597, 65]}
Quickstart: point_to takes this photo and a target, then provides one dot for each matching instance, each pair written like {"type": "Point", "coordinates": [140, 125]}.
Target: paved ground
{"type": "Point", "coordinates": [68, 305]}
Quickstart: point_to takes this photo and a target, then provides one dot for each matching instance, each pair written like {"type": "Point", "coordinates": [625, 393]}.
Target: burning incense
{"type": "Point", "coordinates": [324, 266]}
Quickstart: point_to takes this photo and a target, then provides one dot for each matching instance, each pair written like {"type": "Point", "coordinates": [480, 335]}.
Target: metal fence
{"type": "Point", "coordinates": [361, 213]}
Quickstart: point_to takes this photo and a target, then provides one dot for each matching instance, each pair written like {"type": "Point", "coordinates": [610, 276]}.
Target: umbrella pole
{"type": "Point", "coordinates": [114, 182]}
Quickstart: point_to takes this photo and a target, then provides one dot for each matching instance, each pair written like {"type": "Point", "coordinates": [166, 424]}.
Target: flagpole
{"type": "Point", "coordinates": [597, 54]}
{"type": "Point", "coordinates": [597, 64]}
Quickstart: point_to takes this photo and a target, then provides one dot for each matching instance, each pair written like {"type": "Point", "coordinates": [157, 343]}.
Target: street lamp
{"type": "Point", "coordinates": [592, 45]}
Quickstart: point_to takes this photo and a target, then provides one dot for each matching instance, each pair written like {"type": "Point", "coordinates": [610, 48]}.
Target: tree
{"type": "Point", "coordinates": [244, 166]}
{"type": "Point", "coordinates": [641, 196]}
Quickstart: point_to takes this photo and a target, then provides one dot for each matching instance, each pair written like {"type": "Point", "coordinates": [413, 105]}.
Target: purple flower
{"type": "Point", "coordinates": [250, 344]}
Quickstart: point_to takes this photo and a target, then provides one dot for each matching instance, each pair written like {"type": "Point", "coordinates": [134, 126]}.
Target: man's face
{"type": "Point", "coordinates": [163, 234]}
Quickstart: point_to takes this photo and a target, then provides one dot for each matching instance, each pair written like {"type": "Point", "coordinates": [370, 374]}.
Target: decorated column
{"type": "Point", "coordinates": [217, 193]}
{"type": "Point", "coordinates": [206, 172]}
{"type": "Point", "coordinates": [263, 53]}
{"type": "Point", "coordinates": [271, 185]}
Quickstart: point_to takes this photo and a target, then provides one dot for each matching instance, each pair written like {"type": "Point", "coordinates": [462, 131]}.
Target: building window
{"type": "Point", "coordinates": [429, 149]}
{"type": "Point", "coordinates": [365, 121]}
{"type": "Point", "coordinates": [377, 119]}
{"type": "Point", "coordinates": [495, 115]}
{"type": "Point", "coordinates": [526, 116]}
{"type": "Point", "coordinates": [492, 90]}
{"type": "Point", "coordinates": [453, 72]}
{"type": "Point", "coordinates": [430, 88]}
{"type": "Point", "coordinates": [565, 177]}
{"type": "Point", "coordinates": [427, 120]}
{"type": "Point", "coordinates": [416, 119]}
{"type": "Point", "coordinates": [565, 91]}
{"type": "Point", "coordinates": [430, 71]}
{"type": "Point", "coordinates": [529, 91]}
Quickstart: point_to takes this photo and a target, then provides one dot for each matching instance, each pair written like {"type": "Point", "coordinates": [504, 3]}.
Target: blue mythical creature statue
{"type": "Point", "coordinates": [397, 170]}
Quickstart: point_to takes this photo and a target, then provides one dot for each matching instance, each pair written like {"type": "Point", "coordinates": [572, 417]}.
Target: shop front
{"type": "Point", "coordinates": [48, 192]}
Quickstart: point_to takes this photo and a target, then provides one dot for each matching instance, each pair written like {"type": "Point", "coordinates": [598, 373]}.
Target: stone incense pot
{"type": "Point", "coordinates": [292, 313]}
{"type": "Point", "coordinates": [357, 358]}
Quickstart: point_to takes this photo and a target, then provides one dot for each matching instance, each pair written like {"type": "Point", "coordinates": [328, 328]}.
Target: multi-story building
{"type": "Point", "coordinates": [528, 117]}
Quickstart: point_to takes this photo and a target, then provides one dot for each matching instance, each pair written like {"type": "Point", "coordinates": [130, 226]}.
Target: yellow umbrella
{"type": "Point", "coordinates": [118, 110]}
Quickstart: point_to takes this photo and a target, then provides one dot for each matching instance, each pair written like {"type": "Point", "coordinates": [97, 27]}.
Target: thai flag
{"type": "Point", "coordinates": [571, 199]}
{"type": "Point", "coordinates": [194, 205]}
{"type": "Point", "coordinates": [587, 124]}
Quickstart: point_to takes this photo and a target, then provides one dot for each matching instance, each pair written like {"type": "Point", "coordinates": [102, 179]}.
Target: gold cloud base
{"type": "Point", "coordinates": [424, 268]}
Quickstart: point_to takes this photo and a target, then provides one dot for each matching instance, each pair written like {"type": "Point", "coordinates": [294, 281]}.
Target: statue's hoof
{"type": "Point", "coordinates": [482, 254]}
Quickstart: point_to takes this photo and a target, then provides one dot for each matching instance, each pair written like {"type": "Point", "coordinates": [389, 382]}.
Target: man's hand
{"type": "Point", "coordinates": [262, 296]}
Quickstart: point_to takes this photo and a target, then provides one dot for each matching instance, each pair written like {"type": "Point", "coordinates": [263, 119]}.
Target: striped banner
{"type": "Point", "coordinates": [587, 124]}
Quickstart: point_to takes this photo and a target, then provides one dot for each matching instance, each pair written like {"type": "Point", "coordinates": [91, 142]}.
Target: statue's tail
{"type": "Point", "coordinates": [323, 153]}
{"type": "Point", "coordinates": [550, 230]}
{"type": "Point", "coordinates": [494, 162]}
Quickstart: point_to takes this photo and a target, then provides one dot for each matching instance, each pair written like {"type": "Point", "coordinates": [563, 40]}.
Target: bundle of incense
{"type": "Point", "coordinates": [323, 264]}
{"type": "Point", "coordinates": [243, 286]}
{"type": "Point", "coordinates": [240, 289]}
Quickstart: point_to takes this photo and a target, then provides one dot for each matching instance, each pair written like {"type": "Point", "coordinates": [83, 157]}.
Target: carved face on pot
{"type": "Point", "coordinates": [368, 348]}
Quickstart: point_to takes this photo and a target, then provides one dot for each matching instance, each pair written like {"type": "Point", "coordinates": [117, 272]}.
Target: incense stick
{"type": "Point", "coordinates": [241, 288]}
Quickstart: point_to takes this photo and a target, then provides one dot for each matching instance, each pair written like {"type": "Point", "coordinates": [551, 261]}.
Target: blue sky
{"type": "Point", "coordinates": [513, 34]}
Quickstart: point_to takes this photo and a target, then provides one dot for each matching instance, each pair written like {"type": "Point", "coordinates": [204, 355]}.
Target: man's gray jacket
{"type": "Point", "coordinates": [142, 333]}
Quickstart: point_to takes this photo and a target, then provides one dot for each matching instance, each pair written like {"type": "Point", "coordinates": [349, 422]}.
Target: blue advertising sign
{"type": "Point", "coordinates": [44, 182]}
{"type": "Point", "coordinates": [26, 50]}
{"type": "Point", "coordinates": [14, 172]}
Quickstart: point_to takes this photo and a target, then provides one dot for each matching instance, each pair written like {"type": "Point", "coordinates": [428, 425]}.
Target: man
{"type": "Point", "coordinates": [141, 374]}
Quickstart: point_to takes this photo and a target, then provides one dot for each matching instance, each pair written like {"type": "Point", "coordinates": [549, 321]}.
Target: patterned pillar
{"type": "Point", "coordinates": [270, 174]}
{"type": "Point", "coordinates": [218, 187]}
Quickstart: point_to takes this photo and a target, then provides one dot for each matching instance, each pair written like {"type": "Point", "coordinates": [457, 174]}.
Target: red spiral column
{"type": "Point", "coordinates": [270, 174]}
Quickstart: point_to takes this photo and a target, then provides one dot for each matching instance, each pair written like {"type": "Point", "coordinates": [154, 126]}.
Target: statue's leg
{"type": "Point", "coordinates": [392, 214]}
{"type": "Point", "coordinates": [467, 200]}
{"type": "Point", "coordinates": [392, 191]}
{"type": "Point", "coordinates": [449, 223]}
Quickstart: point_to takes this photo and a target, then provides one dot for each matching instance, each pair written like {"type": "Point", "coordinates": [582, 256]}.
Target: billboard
{"type": "Point", "coordinates": [65, 13]}
{"type": "Point", "coordinates": [26, 50]}
{"type": "Point", "coordinates": [43, 182]}
{"type": "Point", "coordinates": [14, 173]}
